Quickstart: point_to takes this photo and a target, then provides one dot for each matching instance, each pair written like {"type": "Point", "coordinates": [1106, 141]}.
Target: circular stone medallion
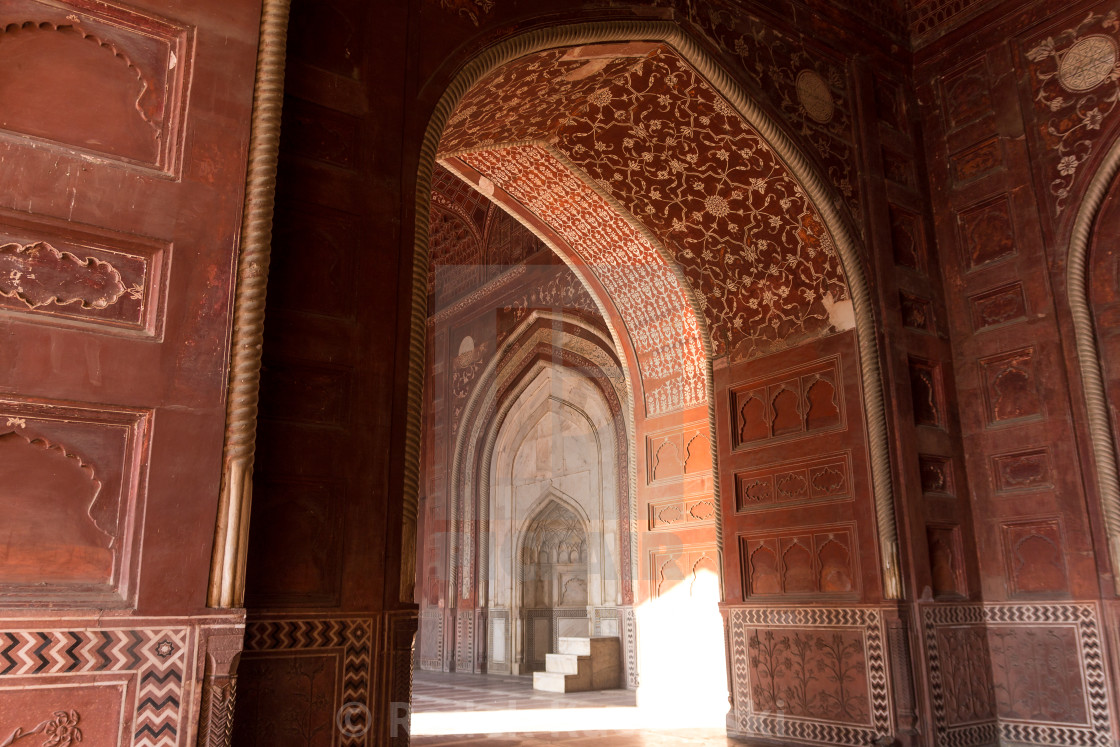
{"type": "Point", "coordinates": [1087, 63]}
{"type": "Point", "coordinates": [814, 96]}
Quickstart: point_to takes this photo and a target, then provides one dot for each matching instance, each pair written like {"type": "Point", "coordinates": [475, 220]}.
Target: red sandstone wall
{"type": "Point", "coordinates": [123, 145]}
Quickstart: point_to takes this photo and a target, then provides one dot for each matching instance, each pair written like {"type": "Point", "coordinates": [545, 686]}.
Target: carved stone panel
{"type": "Point", "coordinates": [1010, 389]}
{"type": "Point", "coordinates": [670, 514]}
{"type": "Point", "coordinates": [999, 306]}
{"type": "Point", "coordinates": [946, 561]}
{"type": "Point", "coordinates": [810, 675]}
{"type": "Point", "coordinates": [1022, 470]}
{"type": "Point", "coordinates": [118, 75]}
{"type": "Point", "coordinates": [803, 401]}
{"type": "Point", "coordinates": [72, 488]}
{"type": "Point", "coordinates": [59, 273]}
{"type": "Point", "coordinates": [965, 94]}
{"type": "Point", "coordinates": [1035, 557]}
{"type": "Point", "coordinates": [986, 232]}
{"type": "Point", "coordinates": [917, 312]}
{"type": "Point", "coordinates": [818, 560]}
{"type": "Point", "coordinates": [826, 478]}
{"type": "Point", "coordinates": [671, 455]}
{"type": "Point", "coordinates": [907, 239]}
{"type": "Point", "coordinates": [696, 567]}
{"type": "Point", "coordinates": [926, 391]}
{"type": "Point", "coordinates": [977, 161]}
{"type": "Point", "coordinates": [936, 473]}
{"type": "Point", "coordinates": [297, 674]}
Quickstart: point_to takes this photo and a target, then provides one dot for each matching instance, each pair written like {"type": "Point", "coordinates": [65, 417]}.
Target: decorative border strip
{"type": "Point", "coordinates": [870, 620]}
{"type": "Point", "coordinates": [158, 657]}
{"type": "Point", "coordinates": [1084, 616]}
{"type": "Point", "coordinates": [353, 636]}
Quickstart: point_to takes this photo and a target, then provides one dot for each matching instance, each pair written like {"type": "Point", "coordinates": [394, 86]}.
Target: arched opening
{"type": "Point", "coordinates": [707, 243]}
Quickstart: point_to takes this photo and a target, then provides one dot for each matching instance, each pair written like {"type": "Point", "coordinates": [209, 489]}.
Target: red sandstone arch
{"type": "Point", "coordinates": [784, 279]}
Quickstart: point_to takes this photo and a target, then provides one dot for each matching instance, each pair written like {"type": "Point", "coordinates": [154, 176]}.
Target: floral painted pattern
{"type": "Point", "coordinates": [648, 134]}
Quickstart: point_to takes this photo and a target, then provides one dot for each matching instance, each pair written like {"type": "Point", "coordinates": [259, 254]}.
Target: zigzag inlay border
{"type": "Point", "coordinates": [868, 620]}
{"type": "Point", "coordinates": [1082, 615]}
{"type": "Point", "coordinates": [354, 636]}
{"type": "Point", "coordinates": [156, 656]}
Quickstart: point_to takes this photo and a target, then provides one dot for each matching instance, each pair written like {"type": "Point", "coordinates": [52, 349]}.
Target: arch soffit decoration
{"type": "Point", "coordinates": [491, 399]}
{"type": "Point", "coordinates": [1101, 434]}
{"type": "Point", "coordinates": [819, 194]}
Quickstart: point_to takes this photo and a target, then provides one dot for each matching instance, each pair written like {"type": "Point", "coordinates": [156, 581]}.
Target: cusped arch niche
{"type": "Point", "coordinates": [1097, 213]}
{"type": "Point", "coordinates": [819, 230]}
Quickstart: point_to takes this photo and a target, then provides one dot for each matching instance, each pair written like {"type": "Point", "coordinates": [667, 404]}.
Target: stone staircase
{"type": "Point", "coordinates": [582, 664]}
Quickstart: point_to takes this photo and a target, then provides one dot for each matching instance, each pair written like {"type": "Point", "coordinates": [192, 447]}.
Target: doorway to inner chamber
{"type": "Point", "coordinates": [554, 567]}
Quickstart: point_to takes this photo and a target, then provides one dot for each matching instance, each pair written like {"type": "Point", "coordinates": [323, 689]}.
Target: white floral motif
{"type": "Point", "coordinates": [1085, 65]}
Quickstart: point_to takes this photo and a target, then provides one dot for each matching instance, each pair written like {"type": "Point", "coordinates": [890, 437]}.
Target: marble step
{"type": "Point", "coordinates": [564, 663]}
{"type": "Point", "coordinates": [560, 682]}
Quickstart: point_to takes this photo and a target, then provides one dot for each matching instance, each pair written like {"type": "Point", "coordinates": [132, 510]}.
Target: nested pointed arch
{"type": "Point", "coordinates": [544, 339]}
{"type": "Point", "coordinates": [749, 232]}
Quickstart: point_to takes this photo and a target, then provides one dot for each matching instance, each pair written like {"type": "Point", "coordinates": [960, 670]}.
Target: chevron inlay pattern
{"type": "Point", "coordinates": [867, 621]}
{"type": "Point", "coordinates": [157, 656]}
{"type": "Point", "coordinates": [353, 636]}
{"type": "Point", "coordinates": [1082, 619]}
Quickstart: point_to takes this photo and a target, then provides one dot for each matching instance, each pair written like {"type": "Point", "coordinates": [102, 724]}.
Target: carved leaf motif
{"type": "Point", "coordinates": [60, 730]}
{"type": "Point", "coordinates": [38, 274]}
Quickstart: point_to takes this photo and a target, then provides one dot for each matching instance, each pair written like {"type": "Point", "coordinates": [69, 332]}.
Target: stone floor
{"type": "Point", "coordinates": [502, 711]}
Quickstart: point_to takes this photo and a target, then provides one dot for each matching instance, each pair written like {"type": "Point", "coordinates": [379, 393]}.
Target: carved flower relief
{"type": "Point", "coordinates": [60, 730]}
{"type": "Point", "coordinates": [39, 274]}
{"type": "Point", "coordinates": [1075, 78]}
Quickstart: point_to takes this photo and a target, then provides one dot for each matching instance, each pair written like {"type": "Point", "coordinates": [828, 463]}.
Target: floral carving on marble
{"type": "Point", "coordinates": [1075, 81]}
